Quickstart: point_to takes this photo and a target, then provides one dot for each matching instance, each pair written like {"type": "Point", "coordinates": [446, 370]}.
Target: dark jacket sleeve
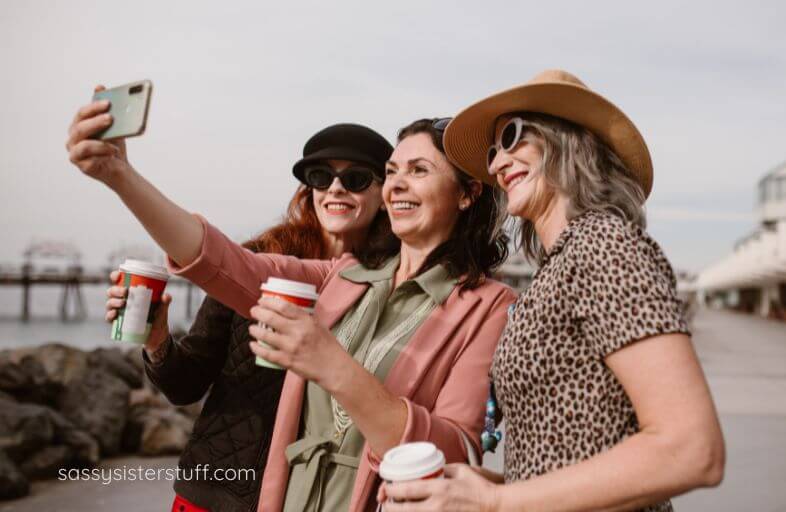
{"type": "Point", "coordinates": [192, 363]}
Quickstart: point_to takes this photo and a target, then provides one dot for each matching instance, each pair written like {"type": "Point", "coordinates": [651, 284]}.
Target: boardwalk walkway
{"type": "Point", "coordinates": [745, 361]}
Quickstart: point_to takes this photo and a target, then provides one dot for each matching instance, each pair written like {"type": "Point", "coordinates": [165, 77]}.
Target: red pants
{"type": "Point", "coordinates": [183, 505]}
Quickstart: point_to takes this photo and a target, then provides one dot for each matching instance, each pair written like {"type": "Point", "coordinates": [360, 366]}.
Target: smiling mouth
{"type": "Point", "coordinates": [338, 208]}
{"type": "Point", "coordinates": [403, 206]}
{"type": "Point", "coordinates": [515, 178]}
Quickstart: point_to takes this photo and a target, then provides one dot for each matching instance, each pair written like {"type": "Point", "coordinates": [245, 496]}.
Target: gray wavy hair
{"type": "Point", "coordinates": [579, 165]}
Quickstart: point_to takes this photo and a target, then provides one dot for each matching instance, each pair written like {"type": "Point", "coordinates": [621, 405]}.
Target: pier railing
{"type": "Point", "coordinates": [71, 306]}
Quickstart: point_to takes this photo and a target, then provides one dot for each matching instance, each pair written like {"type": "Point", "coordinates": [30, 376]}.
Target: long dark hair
{"type": "Point", "coordinates": [478, 244]}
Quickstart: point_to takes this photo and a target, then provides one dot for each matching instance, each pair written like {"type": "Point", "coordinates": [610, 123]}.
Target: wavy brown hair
{"type": "Point", "coordinates": [301, 235]}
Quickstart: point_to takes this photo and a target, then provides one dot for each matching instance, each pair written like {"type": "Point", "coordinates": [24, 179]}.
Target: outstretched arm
{"type": "Point", "coordinates": [176, 231]}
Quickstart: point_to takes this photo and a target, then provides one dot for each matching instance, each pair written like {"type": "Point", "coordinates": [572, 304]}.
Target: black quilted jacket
{"type": "Point", "coordinates": [233, 431]}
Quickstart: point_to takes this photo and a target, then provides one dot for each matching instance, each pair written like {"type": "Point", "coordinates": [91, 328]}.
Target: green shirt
{"type": "Point", "coordinates": [323, 461]}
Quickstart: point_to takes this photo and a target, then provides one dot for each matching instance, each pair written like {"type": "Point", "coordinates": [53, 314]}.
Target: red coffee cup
{"type": "Point", "coordinates": [303, 295]}
{"type": "Point", "coordinates": [145, 283]}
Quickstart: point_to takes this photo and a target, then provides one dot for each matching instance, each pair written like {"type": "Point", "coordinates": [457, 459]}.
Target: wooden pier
{"type": "Point", "coordinates": [71, 306]}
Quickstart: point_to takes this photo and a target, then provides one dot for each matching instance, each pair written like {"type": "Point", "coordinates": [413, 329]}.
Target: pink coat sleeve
{"type": "Point", "coordinates": [461, 403]}
{"type": "Point", "coordinates": [232, 274]}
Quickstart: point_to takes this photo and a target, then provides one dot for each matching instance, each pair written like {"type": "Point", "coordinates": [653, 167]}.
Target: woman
{"type": "Point", "coordinates": [335, 211]}
{"type": "Point", "coordinates": [413, 330]}
{"type": "Point", "coordinates": [605, 404]}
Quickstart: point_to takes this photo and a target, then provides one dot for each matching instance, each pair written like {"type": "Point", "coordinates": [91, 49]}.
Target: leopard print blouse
{"type": "Point", "coordinates": [603, 285]}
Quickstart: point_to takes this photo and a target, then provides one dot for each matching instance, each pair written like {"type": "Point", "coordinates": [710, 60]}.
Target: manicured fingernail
{"type": "Point", "coordinates": [106, 118]}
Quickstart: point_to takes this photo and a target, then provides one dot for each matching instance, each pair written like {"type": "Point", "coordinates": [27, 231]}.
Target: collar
{"type": "Point", "coordinates": [566, 234]}
{"type": "Point", "coordinates": [436, 281]}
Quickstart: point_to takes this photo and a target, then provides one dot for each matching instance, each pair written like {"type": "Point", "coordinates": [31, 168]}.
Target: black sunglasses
{"type": "Point", "coordinates": [354, 179]}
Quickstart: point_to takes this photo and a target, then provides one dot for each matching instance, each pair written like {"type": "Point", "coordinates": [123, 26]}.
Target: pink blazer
{"type": "Point", "coordinates": [442, 373]}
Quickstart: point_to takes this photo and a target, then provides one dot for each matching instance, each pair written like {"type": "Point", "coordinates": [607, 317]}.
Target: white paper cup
{"type": "Point", "coordinates": [412, 461]}
{"type": "Point", "coordinates": [303, 295]}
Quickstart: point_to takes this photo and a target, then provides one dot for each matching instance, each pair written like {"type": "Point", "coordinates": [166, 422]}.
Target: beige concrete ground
{"type": "Point", "coordinates": [94, 495]}
{"type": "Point", "coordinates": [745, 361]}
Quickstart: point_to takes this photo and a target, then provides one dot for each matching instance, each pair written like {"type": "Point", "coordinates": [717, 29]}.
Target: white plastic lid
{"type": "Point", "coordinates": [143, 268]}
{"type": "Point", "coordinates": [411, 462]}
{"type": "Point", "coordinates": [291, 288]}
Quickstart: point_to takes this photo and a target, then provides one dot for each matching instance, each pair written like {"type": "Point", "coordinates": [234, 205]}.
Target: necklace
{"type": "Point", "coordinates": [373, 355]}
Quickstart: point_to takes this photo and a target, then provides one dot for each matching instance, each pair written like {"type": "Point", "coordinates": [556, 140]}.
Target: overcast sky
{"type": "Point", "coordinates": [240, 86]}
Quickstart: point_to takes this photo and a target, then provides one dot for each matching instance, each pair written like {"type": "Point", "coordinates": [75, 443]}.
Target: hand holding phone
{"type": "Point", "coordinates": [105, 160]}
{"type": "Point", "coordinates": [128, 106]}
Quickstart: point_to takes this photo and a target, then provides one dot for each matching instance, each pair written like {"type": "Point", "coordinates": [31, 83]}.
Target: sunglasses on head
{"type": "Point", "coordinates": [441, 123]}
{"type": "Point", "coordinates": [353, 179]}
{"type": "Point", "coordinates": [509, 137]}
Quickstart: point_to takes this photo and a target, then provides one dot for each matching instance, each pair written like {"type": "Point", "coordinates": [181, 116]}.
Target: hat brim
{"type": "Point", "coordinates": [469, 135]}
{"type": "Point", "coordinates": [336, 153]}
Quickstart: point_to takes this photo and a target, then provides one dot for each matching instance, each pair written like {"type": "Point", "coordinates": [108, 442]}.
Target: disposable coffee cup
{"type": "Point", "coordinates": [412, 461]}
{"type": "Point", "coordinates": [145, 283]}
{"type": "Point", "coordinates": [303, 295]}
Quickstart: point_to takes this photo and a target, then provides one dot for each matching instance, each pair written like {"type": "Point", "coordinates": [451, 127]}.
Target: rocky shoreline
{"type": "Point", "coordinates": [65, 408]}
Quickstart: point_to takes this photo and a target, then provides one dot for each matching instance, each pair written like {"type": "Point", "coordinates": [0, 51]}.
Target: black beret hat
{"type": "Point", "coordinates": [346, 141]}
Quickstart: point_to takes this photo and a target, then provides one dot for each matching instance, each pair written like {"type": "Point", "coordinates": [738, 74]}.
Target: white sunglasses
{"type": "Point", "coordinates": [509, 137]}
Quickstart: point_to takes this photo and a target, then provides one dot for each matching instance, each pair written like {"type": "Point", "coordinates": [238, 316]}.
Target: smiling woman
{"type": "Point", "coordinates": [605, 403]}
{"type": "Point", "coordinates": [419, 191]}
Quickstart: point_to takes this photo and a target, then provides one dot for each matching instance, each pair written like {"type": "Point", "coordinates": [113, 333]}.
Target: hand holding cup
{"type": "Point", "coordinates": [294, 340]}
{"type": "Point", "coordinates": [154, 342]}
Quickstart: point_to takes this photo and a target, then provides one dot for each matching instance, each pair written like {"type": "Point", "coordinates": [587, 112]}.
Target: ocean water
{"type": "Point", "coordinates": [45, 325]}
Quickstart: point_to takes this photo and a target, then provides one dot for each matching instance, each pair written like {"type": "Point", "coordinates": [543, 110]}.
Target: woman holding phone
{"type": "Point", "coordinates": [400, 343]}
{"type": "Point", "coordinates": [336, 210]}
{"type": "Point", "coordinates": [605, 403]}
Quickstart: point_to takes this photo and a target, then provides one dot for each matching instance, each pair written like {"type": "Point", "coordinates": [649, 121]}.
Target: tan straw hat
{"type": "Point", "coordinates": [553, 92]}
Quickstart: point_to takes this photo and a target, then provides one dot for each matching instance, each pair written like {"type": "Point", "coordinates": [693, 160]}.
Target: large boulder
{"type": "Point", "coordinates": [114, 361]}
{"type": "Point", "coordinates": [134, 357]}
{"type": "Point", "coordinates": [27, 428]}
{"type": "Point", "coordinates": [12, 375]}
{"type": "Point", "coordinates": [62, 363]}
{"type": "Point", "coordinates": [24, 428]}
{"type": "Point", "coordinates": [98, 404]}
{"type": "Point", "coordinates": [47, 462]}
{"type": "Point", "coordinates": [26, 379]}
{"type": "Point", "coordinates": [164, 432]}
{"type": "Point", "coordinates": [154, 427]}
{"type": "Point", "coordinates": [39, 374]}
{"type": "Point", "coordinates": [13, 483]}
{"type": "Point", "coordinates": [84, 449]}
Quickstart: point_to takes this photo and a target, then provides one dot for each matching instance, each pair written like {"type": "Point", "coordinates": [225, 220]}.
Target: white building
{"type": "Point", "coordinates": [753, 276]}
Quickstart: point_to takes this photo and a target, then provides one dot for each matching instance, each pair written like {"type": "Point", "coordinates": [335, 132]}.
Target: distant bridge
{"type": "Point", "coordinates": [54, 263]}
